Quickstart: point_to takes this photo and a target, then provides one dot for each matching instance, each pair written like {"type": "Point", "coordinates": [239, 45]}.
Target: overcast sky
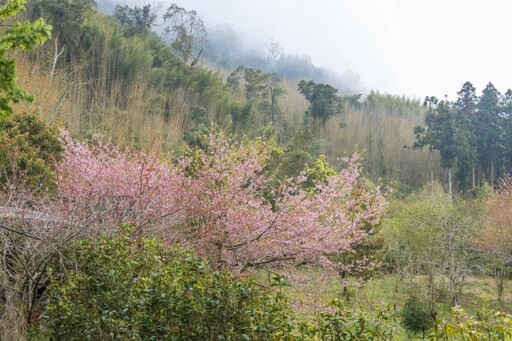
{"type": "Point", "coordinates": [411, 47]}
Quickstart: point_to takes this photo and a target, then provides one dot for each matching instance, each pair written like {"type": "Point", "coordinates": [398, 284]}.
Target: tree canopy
{"type": "Point", "coordinates": [323, 101]}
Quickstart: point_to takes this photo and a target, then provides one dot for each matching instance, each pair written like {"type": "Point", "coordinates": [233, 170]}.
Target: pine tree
{"type": "Point", "coordinates": [489, 132]}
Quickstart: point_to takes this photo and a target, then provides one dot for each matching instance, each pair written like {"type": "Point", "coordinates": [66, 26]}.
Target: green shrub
{"type": "Point", "coordinates": [460, 326]}
{"type": "Point", "coordinates": [134, 289]}
{"type": "Point", "coordinates": [416, 317]}
{"type": "Point", "coordinates": [28, 147]}
{"type": "Point", "coordinates": [340, 323]}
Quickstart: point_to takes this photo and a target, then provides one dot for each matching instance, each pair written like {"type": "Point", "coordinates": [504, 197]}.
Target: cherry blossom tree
{"type": "Point", "coordinates": [98, 186]}
{"type": "Point", "coordinates": [219, 202]}
{"type": "Point", "coordinates": [110, 185]}
{"type": "Point", "coordinates": [238, 220]}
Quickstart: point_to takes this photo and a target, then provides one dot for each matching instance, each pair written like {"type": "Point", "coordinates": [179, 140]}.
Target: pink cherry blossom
{"type": "Point", "coordinates": [219, 202]}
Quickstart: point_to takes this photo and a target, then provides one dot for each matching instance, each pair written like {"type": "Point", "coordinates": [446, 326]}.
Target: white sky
{"type": "Point", "coordinates": [411, 47]}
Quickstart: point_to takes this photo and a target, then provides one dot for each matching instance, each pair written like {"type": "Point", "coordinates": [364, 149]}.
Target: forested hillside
{"type": "Point", "coordinates": [160, 180]}
{"type": "Point", "coordinates": [115, 77]}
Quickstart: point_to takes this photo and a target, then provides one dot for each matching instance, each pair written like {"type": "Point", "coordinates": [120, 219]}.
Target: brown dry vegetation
{"type": "Point", "coordinates": [128, 117]}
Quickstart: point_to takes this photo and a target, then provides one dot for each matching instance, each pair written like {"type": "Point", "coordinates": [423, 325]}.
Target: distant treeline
{"type": "Point", "coordinates": [226, 50]}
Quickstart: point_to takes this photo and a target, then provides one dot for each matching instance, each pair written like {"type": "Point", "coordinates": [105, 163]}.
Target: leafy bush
{"type": "Point", "coordinates": [460, 326]}
{"type": "Point", "coordinates": [341, 323]}
{"type": "Point", "coordinates": [27, 147]}
{"type": "Point", "coordinates": [133, 289]}
{"type": "Point", "coordinates": [415, 317]}
{"type": "Point", "coordinates": [16, 36]}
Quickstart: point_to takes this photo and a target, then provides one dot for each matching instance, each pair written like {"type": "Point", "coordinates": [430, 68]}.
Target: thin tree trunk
{"type": "Point", "coordinates": [473, 180]}
{"type": "Point", "coordinates": [272, 104]}
{"type": "Point", "coordinates": [431, 169]}
{"type": "Point", "coordinates": [450, 182]}
{"type": "Point", "coordinates": [499, 275]}
{"type": "Point", "coordinates": [492, 171]}
{"type": "Point", "coordinates": [343, 275]}
{"type": "Point", "coordinates": [431, 285]}
{"type": "Point", "coordinates": [56, 56]}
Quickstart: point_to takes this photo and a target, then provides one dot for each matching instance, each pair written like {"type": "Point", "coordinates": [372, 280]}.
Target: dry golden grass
{"type": "Point", "coordinates": [134, 116]}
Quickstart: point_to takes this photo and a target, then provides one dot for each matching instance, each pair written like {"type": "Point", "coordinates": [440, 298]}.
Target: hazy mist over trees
{"type": "Point", "coordinates": [226, 48]}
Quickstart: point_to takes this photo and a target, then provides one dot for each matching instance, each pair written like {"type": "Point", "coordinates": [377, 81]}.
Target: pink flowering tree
{"type": "Point", "coordinates": [494, 240]}
{"type": "Point", "coordinates": [235, 218]}
{"type": "Point", "coordinates": [105, 186]}
{"type": "Point", "coordinates": [98, 186]}
{"type": "Point", "coordinates": [218, 201]}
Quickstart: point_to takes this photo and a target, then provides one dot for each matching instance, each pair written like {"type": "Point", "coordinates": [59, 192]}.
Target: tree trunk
{"type": "Point", "coordinates": [272, 104]}
{"type": "Point", "coordinates": [473, 180]}
{"type": "Point", "coordinates": [450, 182]}
{"type": "Point", "coordinates": [431, 168]}
{"type": "Point", "coordinates": [499, 275]}
{"type": "Point", "coordinates": [491, 171]}
{"type": "Point", "coordinates": [343, 275]}
{"type": "Point", "coordinates": [432, 291]}
{"type": "Point", "coordinates": [56, 56]}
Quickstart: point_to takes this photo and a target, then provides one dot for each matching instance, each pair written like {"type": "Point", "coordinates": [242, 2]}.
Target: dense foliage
{"type": "Point", "coordinates": [132, 288]}
{"type": "Point", "coordinates": [28, 148]}
{"type": "Point", "coordinates": [323, 102]}
{"type": "Point", "coordinates": [340, 323]}
{"type": "Point", "coordinates": [430, 235]}
{"type": "Point", "coordinates": [470, 134]}
{"type": "Point", "coordinates": [494, 239]}
{"type": "Point", "coordinates": [108, 70]}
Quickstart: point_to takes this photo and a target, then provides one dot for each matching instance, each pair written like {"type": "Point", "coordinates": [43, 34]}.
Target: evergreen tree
{"type": "Point", "coordinates": [323, 101]}
{"type": "Point", "coordinates": [415, 317]}
{"type": "Point", "coordinates": [507, 131]}
{"type": "Point", "coordinates": [466, 136]}
{"type": "Point", "coordinates": [440, 133]}
{"type": "Point", "coordinates": [489, 132]}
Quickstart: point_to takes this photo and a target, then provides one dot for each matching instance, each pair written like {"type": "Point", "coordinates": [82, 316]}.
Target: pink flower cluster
{"type": "Point", "coordinates": [107, 186]}
{"type": "Point", "coordinates": [218, 202]}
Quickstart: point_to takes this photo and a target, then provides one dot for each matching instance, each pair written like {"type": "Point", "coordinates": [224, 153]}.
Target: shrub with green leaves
{"type": "Point", "coordinates": [28, 146]}
{"type": "Point", "coordinates": [461, 326]}
{"type": "Point", "coordinates": [340, 323]}
{"type": "Point", "coordinates": [135, 289]}
{"type": "Point", "coordinates": [416, 317]}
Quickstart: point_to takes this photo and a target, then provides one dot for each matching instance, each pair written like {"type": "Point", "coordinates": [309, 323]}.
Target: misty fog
{"type": "Point", "coordinates": [395, 46]}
